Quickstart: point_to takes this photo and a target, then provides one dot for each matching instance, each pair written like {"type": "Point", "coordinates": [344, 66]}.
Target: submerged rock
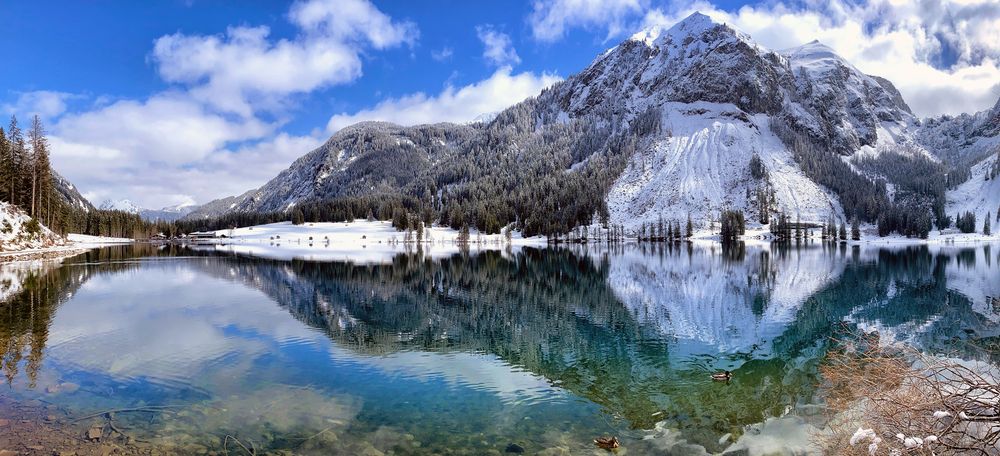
{"type": "Point", "coordinates": [94, 433]}
{"type": "Point", "coordinates": [514, 448]}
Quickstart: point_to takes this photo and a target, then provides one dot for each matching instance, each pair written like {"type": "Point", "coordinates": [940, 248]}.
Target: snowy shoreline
{"type": "Point", "coordinates": [75, 244]}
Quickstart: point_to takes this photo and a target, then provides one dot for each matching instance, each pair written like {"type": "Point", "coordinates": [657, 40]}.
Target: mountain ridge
{"type": "Point", "coordinates": [667, 122]}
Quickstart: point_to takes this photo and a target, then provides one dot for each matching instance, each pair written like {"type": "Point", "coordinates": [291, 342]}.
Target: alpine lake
{"type": "Point", "coordinates": [517, 350]}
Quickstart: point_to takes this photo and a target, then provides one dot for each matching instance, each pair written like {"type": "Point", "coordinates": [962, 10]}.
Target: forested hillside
{"type": "Point", "coordinates": [28, 181]}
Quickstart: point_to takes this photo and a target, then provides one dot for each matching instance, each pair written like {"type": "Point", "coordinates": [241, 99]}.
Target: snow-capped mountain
{"type": "Point", "coordinates": [666, 124]}
{"type": "Point", "coordinates": [123, 205]}
{"type": "Point", "coordinates": [352, 162]}
{"type": "Point", "coordinates": [166, 214]}
{"type": "Point", "coordinates": [215, 208]}
{"type": "Point", "coordinates": [169, 213]}
{"type": "Point", "coordinates": [966, 139]}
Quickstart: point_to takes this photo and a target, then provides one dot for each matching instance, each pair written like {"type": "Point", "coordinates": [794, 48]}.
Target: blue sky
{"type": "Point", "coordinates": [179, 101]}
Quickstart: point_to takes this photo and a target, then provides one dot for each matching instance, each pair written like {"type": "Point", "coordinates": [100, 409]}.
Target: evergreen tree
{"type": "Point", "coordinates": [986, 225]}
{"type": "Point", "coordinates": [690, 227]}
{"type": "Point", "coordinates": [733, 225]}
{"type": "Point", "coordinates": [966, 222]}
{"type": "Point", "coordinates": [463, 235]}
{"type": "Point", "coordinates": [6, 167]}
{"type": "Point", "coordinates": [842, 232]}
{"type": "Point", "coordinates": [41, 182]}
{"type": "Point", "coordinates": [855, 229]}
{"type": "Point", "coordinates": [18, 157]}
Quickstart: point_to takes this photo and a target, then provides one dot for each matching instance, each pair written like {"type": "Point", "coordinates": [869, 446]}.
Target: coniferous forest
{"type": "Point", "coordinates": [27, 181]}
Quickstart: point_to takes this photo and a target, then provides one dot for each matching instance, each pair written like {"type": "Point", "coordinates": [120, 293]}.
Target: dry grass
{"type": "Point", "coordinates": [938, 406]}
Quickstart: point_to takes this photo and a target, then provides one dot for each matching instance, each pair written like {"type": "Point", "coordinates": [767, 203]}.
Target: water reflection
{"type": "Point", "coordinates": [542, 347]}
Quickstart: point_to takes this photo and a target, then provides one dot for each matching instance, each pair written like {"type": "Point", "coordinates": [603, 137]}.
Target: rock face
{"type": "Point", "coordinates": [964, 140]}
{"type": "Point", "coordinates": [69, 193]}
{"type": "Point", "coordinates": [715, 97]}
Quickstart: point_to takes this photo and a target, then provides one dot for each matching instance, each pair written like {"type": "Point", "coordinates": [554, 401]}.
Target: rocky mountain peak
{"type": "Point", "coordinates": [123, 205]}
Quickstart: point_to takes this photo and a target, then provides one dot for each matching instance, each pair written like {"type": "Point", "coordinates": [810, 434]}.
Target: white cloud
{"type": "Point", "coordinates": [244, 70]}
{"type": "Point", "coordinates": [943, 56]}
{"type": "Point", "coordinates": [205, 138]}
{"type": "Point", "coordinates": [46, 104]}
{"type": "Point", "coordinates": [351, 20]}
{"type": "Point", "coordinates": [463, 104]}
{"type": "Point", "coordinates": [549, 20]}
{"type": "Point", "coordinates": [442, 54]}
{"type": "Point", "coordinates": [498, 48]}
{"type": "Point", "coordinates": [109, 173]}
{"type": "Point", "coordinates": [168, 128]}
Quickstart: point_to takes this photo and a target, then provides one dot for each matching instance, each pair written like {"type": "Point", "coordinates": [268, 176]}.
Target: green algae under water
{"type": "Point", "coordinates": [535, 349]}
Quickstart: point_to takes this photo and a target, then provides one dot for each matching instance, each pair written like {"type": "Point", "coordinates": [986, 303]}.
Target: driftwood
{"type": "Point", "coordinates": [252, 451]}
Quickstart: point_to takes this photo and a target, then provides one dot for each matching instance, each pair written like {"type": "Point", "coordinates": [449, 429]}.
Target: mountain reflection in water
{"type": "Point", "coordinates": [544, 347]}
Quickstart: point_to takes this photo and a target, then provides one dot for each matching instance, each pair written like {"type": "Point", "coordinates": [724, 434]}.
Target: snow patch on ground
{"type": "Point", "coordinates": [86, 239]}
{"type": "Point", "coordinates": [14, 235]}
{"type": "Point", "coordinates": [358, 241]}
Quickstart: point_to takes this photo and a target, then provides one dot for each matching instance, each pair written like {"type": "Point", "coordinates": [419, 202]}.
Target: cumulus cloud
{"type": "Point", "coordinates": [550, 19]}
{"type": "Point", "coordinates": [205, 137]}
{"type": "Point", "coordinates": [498, 48]}
{"type": "Point", "coordinates": [168, 128]}
{"type": "Point", "coordinates": [46, 104]}
{"type": "Point", "coordinates": [462, 104]}
{"type": "Point", "coordinates": [244, 69]}
{"type": "Point", "coordinates": [104, 172]}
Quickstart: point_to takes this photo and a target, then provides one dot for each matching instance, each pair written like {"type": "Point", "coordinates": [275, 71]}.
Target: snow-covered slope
{"type": "Point", "coordinates": [978, 195]}
{"type": "Point", "coordinates": [704, 166]}
{"type": "Point", "coordinates": [963, 140]}
{"type": "Point", "coordinates": [17, 232]}
{"type": "Point", "coordinates": [972, 142]}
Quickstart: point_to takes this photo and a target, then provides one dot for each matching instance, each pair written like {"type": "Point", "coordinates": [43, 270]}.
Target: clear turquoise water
{"type": "Point", "coordinates": [468, 354]}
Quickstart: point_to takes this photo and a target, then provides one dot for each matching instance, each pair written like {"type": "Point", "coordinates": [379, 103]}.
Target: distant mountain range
{"type": "Point", "coordinates": [166, 214]}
